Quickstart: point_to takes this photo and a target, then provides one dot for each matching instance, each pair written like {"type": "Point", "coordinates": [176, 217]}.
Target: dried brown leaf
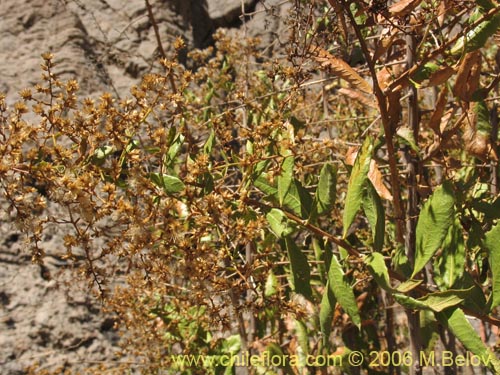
{"type": "Point", "coordinates": [374, 174]}
{"type": "Point", "coordinates": [350, 155]}
{"type": "Point", "coordinates": [404, 7]}
{"type": "Point", "coordinates": [377, 181]}
{"type": "Point", "coordinates": [385, 42]}
{"type": "Point", "coordinates": [341, 69]}
{"type": "Point", "coordinates": [441, 76]}
{"type": "Point", "coordinates": [437, 115]}
{"type": "Point", "coordinates": [477, 143]}
{"type": "Point", "coordinates": [467, 79]}
{"type": "Point", "coordinates": [443, 9]}
{"type": "Point", "coordinates": [384, 77]}
{"type": "Point", "coordinates": [369, 101]}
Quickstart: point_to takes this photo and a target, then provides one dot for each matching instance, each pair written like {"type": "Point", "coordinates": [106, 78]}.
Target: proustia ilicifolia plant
{"type": "Point", "coordinates": [299, 207]}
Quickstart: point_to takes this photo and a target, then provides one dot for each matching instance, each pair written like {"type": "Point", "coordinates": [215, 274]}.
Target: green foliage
{"type": "Point", "coordinates": [433, 224]}
{"type": "Point", "coordinates": [225, 194]}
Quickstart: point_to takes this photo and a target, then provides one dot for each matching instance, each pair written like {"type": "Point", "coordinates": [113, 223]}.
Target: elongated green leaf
{"type": "Point", "coordinates": [342, 290]}
{"type": "Point", "coordinates": [408, 285]}
{"type": "Point", "coordinates": [492, 244]}
{"type": "Point", "coordinates": [406, 135]}
{"type": "Point", "coordinates": [285, 178]}
{"type": "Point", "coordinates": [170, 184]}
{"type": "Point", "coordinates": [376, 265]}
{"type": "Point", "coordinates": [477, 37]}
{"type": "Point", "coordinates": [301, 272]}
{"type": "Point", "coordinates": [437, 301]}
{"type": "Point", "coordinates": [279, 223]}
{"type": "Point", "coordinates": [485, 5]}
{"type": "Point", "coordinates": [357, 183]}
{"type": "Point", "coordinates": [483, 118]}
{"type": "Point", "coordinates": [449, 267]}
{"type": "Point", "coordinates": [326, 310]}
{"type": "Point", "coordinates": [320, 255]}
{"type": "Point", "coordinates": [455, 320]}
{"type": "Point", "coordinates": [275, 351]}
{"type": "Point", "coordinates": [374, 211]}
{"type": "Point", "coordinates": [209, 144]}
{"type": "Point", "coordinates": [434, 221]}
{"type": "Point", "coordinates": [428, 329]}
{"type": "Point", "coordinates": [302, 336]}
{"type": "Point", "coordinates": [175, 147]}
{"type": "Point", "coordinates": [327, 189]}
{"type": "Point", "coordinates": [271, 287]}
{"type": "Point", "coordinates": [476, 301]}
{"type": "Point", "coordinates": [298, 199]}
{"type": "Point", "coordinates": [400, 261]}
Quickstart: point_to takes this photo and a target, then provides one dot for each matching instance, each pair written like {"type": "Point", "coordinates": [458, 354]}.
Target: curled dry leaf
{"type": "Point", "coordinates": [384, 77]}
{"type": "Point", "coordinates": [341, 69]}
{"type": "Point", "coordinates": [441, 76]}
{"type": "Point", "coordinates": [477, 141]}
{"type": "Point", "coordinates": [467, 80]}
{"type": "Point", "coordinates": [369, 101]}
{"type": "Point", "coordinates": [374, 174]}
{"type": "Point", "coordinates": [377, 180]}
{"type": "Point", "coordinates": [437, 115]}
{"type": "Point", "coordinates": [350, 155]}
{"type": "Point", "coordinates": [387, 38]}
{"type": "Point", "coordinates": [443, 10]}
{"type": "Point", "coordinates": [403, 7]}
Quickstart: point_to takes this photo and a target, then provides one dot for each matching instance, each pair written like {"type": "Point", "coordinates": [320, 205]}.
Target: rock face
{"type": "Point", "coordinates": [107, 45]}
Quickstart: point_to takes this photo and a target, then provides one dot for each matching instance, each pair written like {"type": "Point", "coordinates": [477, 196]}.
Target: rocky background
{"type": "Point", "coordinates": [107, 45]}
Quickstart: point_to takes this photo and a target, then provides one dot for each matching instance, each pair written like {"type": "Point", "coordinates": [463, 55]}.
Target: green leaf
{"type": "Point", "coordinates": [428, 329]}
{"type": "Point", "coordinates": [209, 144]}
{"type": "Point", "coordinates": [406, 135]}
{"type": "Point", "coordinates": [437, 301]}
{"type": "Point", "coordinates": [477, 37]}
{"type": "Point", "coordinates": [320, 256]}
{"type": "Point", "coordinates": [492, 245]}
{"type": "Point", "coordinates": [285, 178]}
{"type": "Point", "coordinates": [376, 265]}
{"type": "Point", "coordinates": [100, 155]}
{"type": "Point", "coordinates": [174, 148]}
{"type": "Point", "coordinates": [400, 261]}
{"type": "Point", "coordinates": [374, 211]}
{"type": "Point", "coordinates": [434, 221]}
{"type": "Point", "coordinates": [485, 5]}
{"type": "Point", "coordinates": [298, 199]}
{"type": "Point", "coordinates": [423, 73]}
{"type": "Point", "coordinates": [169, 184]}
{"type": "Point", "coordinates": [302, 336]}
{"type": "Point", "coordinates": [326, 310]}
{"type": "Point", "coordinates": [271, 287]}
{"type": "Point", "coordinates": [483, 118]}
{"type": "Point", "coordinates": [275, 351]}
{"type": "Point", "coordinates": [279, 223]}
{"type": "Point", "coordinates": [454, 319]}
{"type": "Point", "coordinates": [476, 301]}
{"type": "Point", "coordinates": [327, 189]}
{"type": "Point", "coordinates": [491, 209]}
{"type": "Point", "coordinates": [408, 285]}
{"type": "Point", "coordinates": [300, 270]}
{"type": "Point", "coordinates": [357, 184]}
{"type": "Point", "coordinates": [449, 267]}
{"type": "Point", "coordinates": [342, 290]}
